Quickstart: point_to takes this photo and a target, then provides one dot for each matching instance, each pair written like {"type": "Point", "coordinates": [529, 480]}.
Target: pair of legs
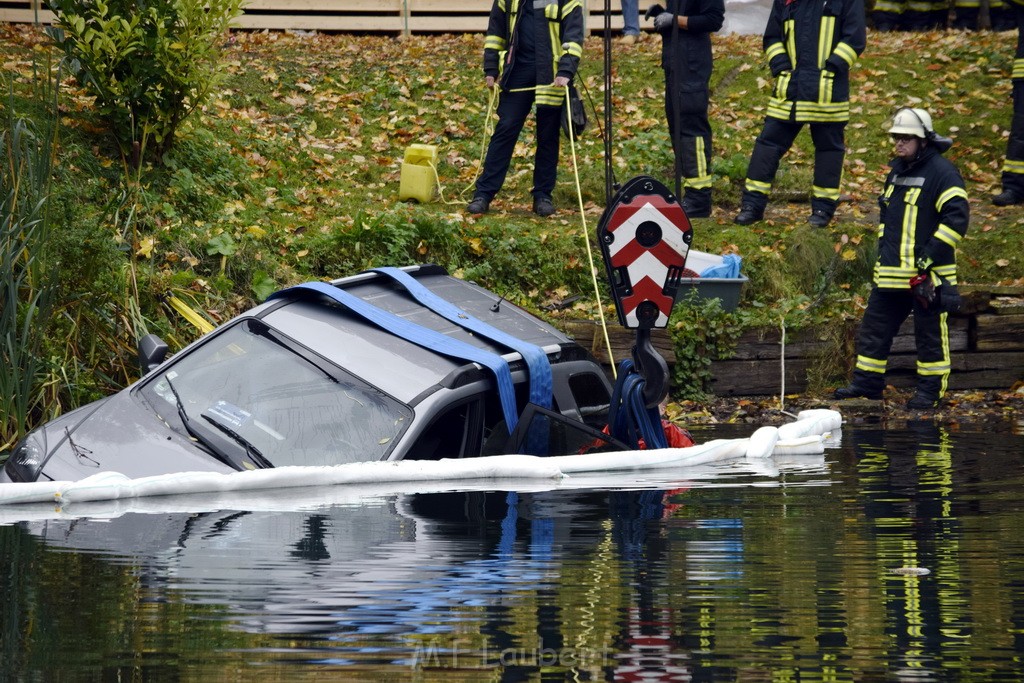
{"type": "Point", "coordinates": [771, 145]}
{"type": "Point", "coordinates": [886, 311]}
{"type": "Point", "coordinates": [690, 131]}
{"type": "Point", "coordinates": [513, 108]}
{"type": "Point", "coordinates": [1013, 164]}
{"type": "Point", "coordinates": [630, 17]}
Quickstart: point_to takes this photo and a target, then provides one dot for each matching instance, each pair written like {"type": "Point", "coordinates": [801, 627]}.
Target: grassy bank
{"type": "Point", "coordinates": [292, 171]}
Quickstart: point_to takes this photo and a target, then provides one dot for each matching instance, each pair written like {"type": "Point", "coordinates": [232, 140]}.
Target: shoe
{"type": "Point", "coordinates": [747, 215]}
{"type": "Point", "coordinates": [819, 219]}
{"type": "Point", "coordinates": [692, 211]}
{"type": "Point", "coordinates": [1007, 198]}
{"type": "Point", "coordinates": [543, 207]}
{"type": "Point", "coordinates": [628, 39]}
{"type": "Point", "coordinates": [479, 205]}
{"type": "Point", "coordinates": [921, 402]}
{"type": "Point", "coordinates": [853, 391]}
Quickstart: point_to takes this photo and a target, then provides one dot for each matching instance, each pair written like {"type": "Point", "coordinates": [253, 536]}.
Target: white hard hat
{"type": "Point", "coordinates": [908, 121]}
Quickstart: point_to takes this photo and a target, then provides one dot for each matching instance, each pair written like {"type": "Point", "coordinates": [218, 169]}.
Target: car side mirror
{"type": "Point", "coordinates": [152, 352]}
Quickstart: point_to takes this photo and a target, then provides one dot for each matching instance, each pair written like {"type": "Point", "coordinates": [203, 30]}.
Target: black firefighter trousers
{"type": "Point", "coordinates": [775, 139]}
{"type": "Point", "coordinates": [690, 131]}
{"type": "Point", "coordinates": [513, 108]}
{"type": "Point", "coordinates": [1013, 165]}
{"type": "Point", "coordinates": [886, 311]}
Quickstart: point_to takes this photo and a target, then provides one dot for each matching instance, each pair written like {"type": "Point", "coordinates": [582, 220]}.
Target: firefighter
{"type": "Point", "coordinates": [531, 53]}
{"type": "Point", "coordinates": [923, 217]}
{"type": "Point", "coordinates": [1013, 164]}
{"type": "Point", "coordinates": [686, 59]}
{"type": "Point", "coordinates": [811, 46]}
{"type": "Point", "coordinates": [887, 15]}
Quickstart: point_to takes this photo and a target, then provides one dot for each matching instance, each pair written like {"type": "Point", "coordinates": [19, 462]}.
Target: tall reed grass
{"type": "Point", "coordinates": [27, 282]}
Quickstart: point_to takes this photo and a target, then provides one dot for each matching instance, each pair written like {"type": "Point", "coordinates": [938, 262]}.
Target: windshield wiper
{"type": "Point", "coordinates": [254, 453]}
{"type": "Point", "coordinates": [186, 422]}
{"type": "Point", "coordinates": [262, 329]}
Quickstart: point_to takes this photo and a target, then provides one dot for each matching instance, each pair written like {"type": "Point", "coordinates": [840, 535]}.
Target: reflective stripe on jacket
{"type": "Point", "coordinates": [558, 27]}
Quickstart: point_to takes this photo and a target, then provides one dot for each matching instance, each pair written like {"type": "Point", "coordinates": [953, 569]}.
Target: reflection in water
{"type": "Point", "coordinates": [783, 570]}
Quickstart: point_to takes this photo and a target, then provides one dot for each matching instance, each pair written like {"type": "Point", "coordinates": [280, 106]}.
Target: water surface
{"type": "Point", "coordinates": [897, 556]}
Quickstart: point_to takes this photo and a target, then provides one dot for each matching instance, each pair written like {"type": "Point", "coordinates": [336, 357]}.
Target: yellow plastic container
{"type": "Point", "coordinates": [419, 180]}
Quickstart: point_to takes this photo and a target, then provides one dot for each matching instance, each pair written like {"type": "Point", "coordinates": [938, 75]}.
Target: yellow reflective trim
{"type": "Point", "coordinates": [825, 192]}
{"type": "Point", "coordinates": [570, 6]}
{"type": "Point", "coordinates": [828, 27]}
{"type": "Point", "coordinates": [574, 49]}
{"type": "Point", "coordinates": [774, 50]}
{"type": "Point", "coordinates": [871, 364]}
{"type": "Point", "coordinates": [758, 186]}
{"type": "Point", "coordinates": [1013, 166]}
{"type": "Point", "coordinates": [494, 43]}
{"type": "Point", "coordinates": [906, 249]}
{"type": "Point", "coordinates": [846, 53]}
{"type": "Point", "coordinates": [702, 160]}
{"type": "Point", "coordinates": [948, 235]}
{"type": "Point", "coordinates": [788, 32]}
{"type": "Point", "coordinates": [949, 194]}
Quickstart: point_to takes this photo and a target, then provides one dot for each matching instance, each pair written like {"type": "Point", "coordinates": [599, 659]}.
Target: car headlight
{"type": "Point", "coordinates": [27, 458]}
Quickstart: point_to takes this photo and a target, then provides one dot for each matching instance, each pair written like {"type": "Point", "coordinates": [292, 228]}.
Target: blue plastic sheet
{"type": "Point", "coordinates": [729, 268]}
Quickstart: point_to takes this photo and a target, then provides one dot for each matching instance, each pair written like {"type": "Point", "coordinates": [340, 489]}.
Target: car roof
{"type": "Point", "coordinates": [395, 365]}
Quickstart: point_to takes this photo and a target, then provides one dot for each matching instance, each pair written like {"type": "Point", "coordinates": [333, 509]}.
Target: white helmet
{"type": "Point", "coordinates": [916, 122]}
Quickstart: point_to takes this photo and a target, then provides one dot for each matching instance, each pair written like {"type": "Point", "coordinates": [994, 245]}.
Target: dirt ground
{"type": "Point", "coordinates": [998, 410]}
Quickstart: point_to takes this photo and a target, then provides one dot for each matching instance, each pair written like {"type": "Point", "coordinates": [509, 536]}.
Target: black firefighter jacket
{"type": "Point", "coordinates": [690, 55]}
{"type": "Point", "coordinates": [811, 46]}
{"type": "Point", "coordinates": [923, 214]}
{"type": "Point", "coordinates": [558, 39]}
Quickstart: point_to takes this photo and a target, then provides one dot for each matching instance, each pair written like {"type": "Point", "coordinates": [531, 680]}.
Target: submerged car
{"type": "Point", "coordinates": [359, 369]}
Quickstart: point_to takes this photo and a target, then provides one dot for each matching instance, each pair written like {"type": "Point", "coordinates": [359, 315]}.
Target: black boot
{"type": "Point", "coordinates": [855, 391]}
{"type": "Point", "coordinates": [479, 205]}
{"type": "Point", "coordinates": [1007, 198]}
{"type": "Point", "coordinates": [697, 203]}
{"type": "Point", "coordinates": [748, 214]}
{"type": "Point", "coordinates": [921, 401]}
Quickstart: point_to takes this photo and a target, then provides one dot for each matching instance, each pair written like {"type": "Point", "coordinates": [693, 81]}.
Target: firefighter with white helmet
{"type": "Point", "coordinates": [923, 218]}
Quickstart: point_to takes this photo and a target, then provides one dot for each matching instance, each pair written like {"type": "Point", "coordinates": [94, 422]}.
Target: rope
{"type": "Point", "coordinates": [586, 241]}
{"type": "Point", "coordinates": [491, 105]}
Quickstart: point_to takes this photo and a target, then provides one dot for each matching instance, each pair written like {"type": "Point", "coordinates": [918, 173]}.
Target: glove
{"type": "Point", "coordinates": [653, 11]}
{"type": "Point", "coordinates": [663, 21]}
{"type": "Point", "coordinates": [922, 288]}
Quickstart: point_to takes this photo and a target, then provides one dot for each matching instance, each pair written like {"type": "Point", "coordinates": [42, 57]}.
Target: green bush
{"type": "Point", "coordinates": [150, 64]}
{"type": "Point", "coordinates": [28, 286]}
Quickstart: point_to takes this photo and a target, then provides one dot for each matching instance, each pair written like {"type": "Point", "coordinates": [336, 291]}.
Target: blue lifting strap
{"type": "Point", "coordinates": [629, 418]}
{"type": "Point", "coordinates": [421, 336]}
{"type": "Point", "coordinates": [537, 363]}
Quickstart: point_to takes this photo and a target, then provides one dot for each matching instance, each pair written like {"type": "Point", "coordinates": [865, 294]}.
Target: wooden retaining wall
{"type": "Point", "coordinates": [986, 341]}
{"type": "Point", "coordinates": [358, 16]}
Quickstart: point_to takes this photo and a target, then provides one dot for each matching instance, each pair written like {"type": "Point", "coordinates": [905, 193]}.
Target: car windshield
{"type": "Point", "coordinates": [267, 399]}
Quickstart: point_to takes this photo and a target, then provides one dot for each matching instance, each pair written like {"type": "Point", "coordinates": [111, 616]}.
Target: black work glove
{"type": "Point", "coordinates": [923, 290]}
{"type": "Point", "coordinates": [653, 11]}
{"type": "Point", "coordinates": [921, 285]}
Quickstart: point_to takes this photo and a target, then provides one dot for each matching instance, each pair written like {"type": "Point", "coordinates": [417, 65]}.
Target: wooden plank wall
{"type": "Point", "coordinates": [985, 342]}
{"type": "Point", "coordinates": [360, 16]}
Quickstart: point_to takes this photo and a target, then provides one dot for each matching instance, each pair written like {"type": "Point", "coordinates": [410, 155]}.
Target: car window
{"type": "Point", "coordinates": [278, 400]}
